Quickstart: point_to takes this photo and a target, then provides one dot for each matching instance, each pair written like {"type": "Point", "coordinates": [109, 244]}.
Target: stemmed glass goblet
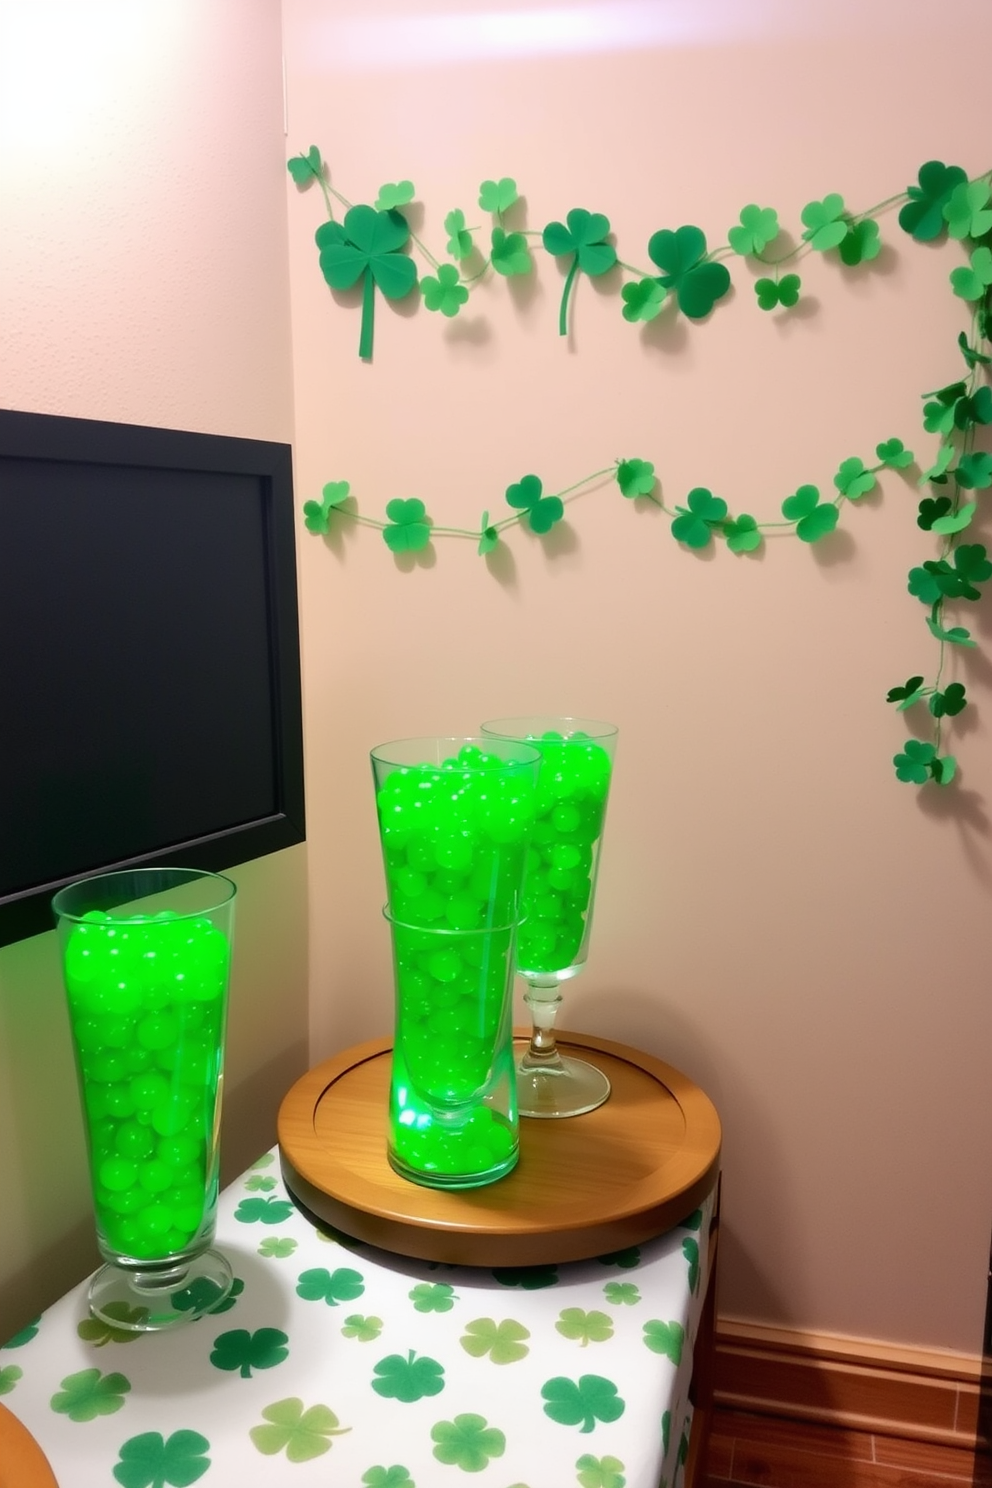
{"type": "Point", "coordinates": [559, 891]}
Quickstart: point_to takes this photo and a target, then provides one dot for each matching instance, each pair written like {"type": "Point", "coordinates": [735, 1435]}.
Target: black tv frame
{"type": "Point", "coordinates": [52, 438]}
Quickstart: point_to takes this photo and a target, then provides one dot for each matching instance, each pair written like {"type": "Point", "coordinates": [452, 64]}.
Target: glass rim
{"type": "Point", "coordinates": [387, 914]}
{"type": "Point", "coordinates": [512, 727]}
{"type": "Point", "coordinates": [188, 875]}
{"type": "Point", "coordinates": [385, 754]}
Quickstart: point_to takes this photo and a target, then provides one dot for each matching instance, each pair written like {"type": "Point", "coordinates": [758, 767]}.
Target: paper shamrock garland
{"type": "Point", "coordinates": [371, 246]}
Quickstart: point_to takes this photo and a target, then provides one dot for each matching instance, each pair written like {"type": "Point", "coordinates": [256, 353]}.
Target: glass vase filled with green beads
{"type": "Point", "coordinates": [146, 957]}
{"type": "Point", "coordinates": [577, 757]}
{"type": "Point", "coordinates": [455, 817]}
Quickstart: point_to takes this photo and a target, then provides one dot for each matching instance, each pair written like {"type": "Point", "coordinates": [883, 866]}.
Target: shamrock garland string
{"type": "Point", "coordinates": [369, 246]}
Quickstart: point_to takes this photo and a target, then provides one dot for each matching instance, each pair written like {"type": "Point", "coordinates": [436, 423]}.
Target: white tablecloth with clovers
{"type": "Point", "coordinates": [336, 1363]}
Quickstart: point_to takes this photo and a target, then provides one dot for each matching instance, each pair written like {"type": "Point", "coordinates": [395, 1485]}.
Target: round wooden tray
{"type": "Point", "coordinates": [22, 1462]}
{"type": "Point", "coordinates": [583, 1187]}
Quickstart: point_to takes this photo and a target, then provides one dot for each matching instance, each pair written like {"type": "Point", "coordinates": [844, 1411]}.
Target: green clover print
{"type": "Point", "coordinates": [98, 1333]}
{"type": "Point", "coordinates": [967, 210]}
{"type": "Point", "coordinates": [758, 227]}
{"type": "Point", "coordinates": [581, 239]}
{"type": "Point", "coordinates": [368, 247]}
{"type": "Point", "coordinates": [665, 1338]}
{"type": "Point", "coordinates": [923, 215]}
{"type": "Point", "coordinates": [814, 519]}
{"type": "Point", "coordinates": [257, 1183]}
{"type": "Point", "coordinates": [509, 253]}
{"type": "Point", "coordinates": [302, 1434]}
{"type": "Point", "coordinates": [503, 1341]}
{"type": "Point", "coordinates": [690, 1249]}
{"type": "Point", "coordinates": [584, 1327]}
{"type": "Point", "coordinates": [263, 1211]}
{"type": "Point", "coordinates": [643, 300]}
{"type": "Point", "coordinates": [388, 1477]}
{"type": "Point", "coordinates": [29, 1331]}
{"type": "Point", "coordinates": [150, 1461]}
{"type": "Point", "coordinates": [277, 1249]}
{"type": "Point", "coordinates": [774, 292]}
{"type": "Point", "coordinates": [622, 1293]}
{"type": "Point", "coordinates": [599, 1472]}
{"type": "Point", "coordinates": [409, 528]}
{"type": "Point", "coordinates": [694, 525]}
{"type": "Point", "coordinates": [89, 1394]}
{"type": "Point", "coordinates": [244, 1351]}
{"type": "Point", "coordinates": [202, 1292]}
{"type": "Point", "coordinates": [460, 237]}
{"type": "Point", "coordinates": [825, 222]}
{"type": "Point", "coordinates": [542, 512]}
{"type": "Point", "coordinates": [408, 1379]}
{"type": "Point", "coordinates": [365, 1329]}
{"type": "Point", "coordinates": [305, 169]}
{"type": "Point", "coordinates": [468, 1442]}
{"type": "Point", "coordinates": [582, 1402]}
{"type": "Point", "coordinates": [9, 1377]}
{"type": "Point", "coordinates": [318, 1285]}
{"type": "Point", "coordinates": [433, 1297]}
{"type": "Point", "coordinates": [636, 477]}
{"type": "Point", "coordinates": [681, 256]}
{"type": "Point", "coordinates": [445, 293]}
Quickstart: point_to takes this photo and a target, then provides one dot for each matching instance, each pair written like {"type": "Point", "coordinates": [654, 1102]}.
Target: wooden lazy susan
{"type": "Point", "coordinates": [584, 1186]}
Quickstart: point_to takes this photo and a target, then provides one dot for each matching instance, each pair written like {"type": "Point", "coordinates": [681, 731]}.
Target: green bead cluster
{"type": "Point", "coordinates": [454, 840]}
{"type": "Point", "coordinates": [147, 1001]}
{"type": "Point", "coordinates": [573, 786]}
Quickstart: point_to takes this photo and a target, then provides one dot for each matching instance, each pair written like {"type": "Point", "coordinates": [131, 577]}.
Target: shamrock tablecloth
{"type": "Point", "coordinates": [336, 1363]}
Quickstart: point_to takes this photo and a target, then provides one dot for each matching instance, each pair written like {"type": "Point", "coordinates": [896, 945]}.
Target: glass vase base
{"type": "Point", "coordinates": [129, 1300]}
{"type": "Point", "coordinates": [570, 1088]}
{"type": "Point", "coordinates": [453, 1180]}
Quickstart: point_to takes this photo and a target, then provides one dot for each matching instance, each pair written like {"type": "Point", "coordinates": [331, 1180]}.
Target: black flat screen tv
{"type": "Point", "coordinates": [150, 701]}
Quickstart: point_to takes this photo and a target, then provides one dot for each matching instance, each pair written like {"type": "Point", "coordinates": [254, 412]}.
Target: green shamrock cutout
{"type": "Point", "coordinates": [263, 1211]}
{"type": "Point", "coordinates": [503, 1342]}
{"type": "Point", "coordinates": [468, 1442]}
{"type": "Point", "coordinates": [972, 356]}
{"type": "Point", "coordinates": [956, 635]}
{"type": "Point", "coordinates": [622, 1293]}
{"type": "Point", "coordinates": [974, 471]}
{"type": "Point", "coordinates": [937, 472]}
{"type": "Point", "coordinates": [774, 292]}
{"type": "Point", "coordinates": [394, 194]}
{"type": "Point", "coordinates": [99, 1333]}
{"type": "Point", "coordinates": [305, 169]}
{"type": "Point", "coordinates": [257, 1183]}
{"type": "Point", "coordinates": [643, 300]}
{"type": "Point", "coordinates": [695, 523]}
{"type": "Point", "coordinates": [950, 702]}
{"type": "Point", "coordinates": [388, 1477]}
{"type": "Point", "coordinates": [853, 480]}
{"type": "Point", "coordinates": [9, 1376]}
{"type": "Point", "coordinates": [931, 509]}
{"type": "Point", "coordinates": [825, 222]}
{"type": "Point", "coordinates": [954, 521]}
{"type": "Point", "coordinates": [460, 238]}
{"type": "Point", "coordinates": [488, 536]}
{"type": "Point", "coordinates": [599, 1472]}
{"type": "Point", "coordinates": [742, 533]}
{"type": "Point", "coordinates": [318, 1285]}
{"type": "Point", "coordinates": [243, 1351]}
{"type": "Point", "coordinates": [915, 765]}
{"type": "Point", "coordinates": [509, 253]}
{"type": "Point", "coordinates": [29, 1331]}
{"type": "Point", "coordinates": [408, 1379]}
{"type": "Point", "coordinates": [636, 477]}
{"type": "Point", "coordinates": [446, 292]}
{"type": "Point", "coordinates": [584, 1327]}
{"type": "Point", "coordinates": [923, 215]}
{"type": "Point", "coordinates": [909, 693]}
{"type": "Point", "coordinates": [150, 1461]}
{"type": "Point", "coordinates": [665, 1338]}
{"type": "Point", "coordinates": [531, 1278]}
{"type": "Point", "coordinates": [433, 1297]}
{"type": "Point", "coordinates": [814, 519]}
{"type": "Point", "coordinates": [277, 1249]}
{"type": "Point", "coordinates": [542, 512]}
{"type": "Point", "coordinates": [758, 227]}
{"type": "Point", "coordinates": [498, 196]}
{"type": "Point", "coordinates": [302, 1434]}
{"type": "Point", "coordinates": [938, 579]}
{"type": "Point", "coordinates": [582, 1402]}
{"type": "Point", "coordinates": [581, 240]}
{"type": "Point", "coordinates": [690, 1249]}
{"type": "Point", "coordinates": [894, 454]}
{"type": "Point", "coordinates": [861, 243]}
{"type": "Point", "coordinates": [681, 256]}
{"type": "Point", "coordinates": [409, 529]}
{"type": "Point", "coordinates": [365, 1329]}
{"type": "Point", "coordinates": [967, 211]}
{"type": "Point", "coordinates": [89, 1394]}
{"type": "Point", "coordinates": [368, 247]}
{"type": "Point", "coordinates": [627, 1259]}
{"type": "Point", "coordinates": [971, 283]}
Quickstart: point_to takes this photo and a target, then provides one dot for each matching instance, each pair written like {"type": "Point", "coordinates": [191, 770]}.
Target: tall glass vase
{"type": "Point", "coordinates": [455, 817]}
{"type": "Point", "coordinates": [146, 960]}
{"type": "Point", "coordinates": [573, 789]}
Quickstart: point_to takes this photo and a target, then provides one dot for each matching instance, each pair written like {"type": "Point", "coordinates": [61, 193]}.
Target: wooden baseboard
{"type": "Point", "coordinates": [918, 1394]}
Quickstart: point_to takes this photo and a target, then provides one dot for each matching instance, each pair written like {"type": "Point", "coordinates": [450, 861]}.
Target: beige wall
{"type": "Point", "coordinates": [142, 279]}
{"type": "Point", "coordinates": [777, 915]}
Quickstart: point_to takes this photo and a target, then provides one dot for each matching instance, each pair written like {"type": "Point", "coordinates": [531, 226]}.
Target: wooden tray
{"type": "Point", "coordinates": [583, 1187]}
{"type": "Point", "coordinates": [22, 1462]}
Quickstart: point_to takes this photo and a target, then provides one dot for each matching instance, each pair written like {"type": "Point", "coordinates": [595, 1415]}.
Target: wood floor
{"type": "Point", "coordinates": [774, 1453]}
